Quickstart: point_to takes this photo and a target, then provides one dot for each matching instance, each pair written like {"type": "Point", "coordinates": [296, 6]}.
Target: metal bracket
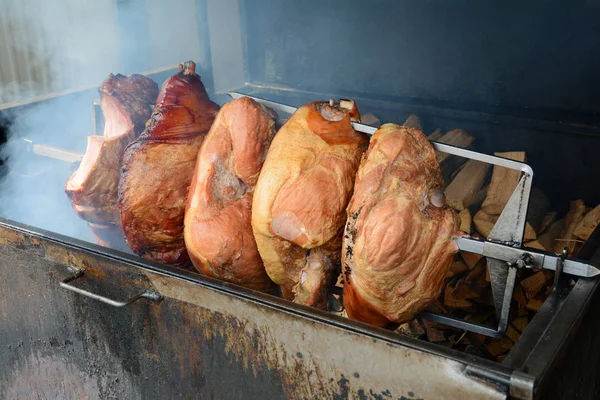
{"type": "Point", "coordinates": [503, 246]}
{"type": "Point", "coordinates": [147, 294]}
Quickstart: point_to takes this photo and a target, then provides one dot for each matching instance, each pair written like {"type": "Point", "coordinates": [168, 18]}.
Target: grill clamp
{"type": "Point", "coordinates": [503, 247]}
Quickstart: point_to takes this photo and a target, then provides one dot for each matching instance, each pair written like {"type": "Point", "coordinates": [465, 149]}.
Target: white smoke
{"type": "Point", "coordinates": [72, 45]}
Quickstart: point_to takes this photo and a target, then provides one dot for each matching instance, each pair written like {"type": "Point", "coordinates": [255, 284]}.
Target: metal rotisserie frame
{"type": "Point", "coordinates": [185, 336]}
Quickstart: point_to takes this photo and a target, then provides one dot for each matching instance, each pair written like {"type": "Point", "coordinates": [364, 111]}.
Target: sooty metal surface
{"type": "Point", "coordinates": [197, 342]}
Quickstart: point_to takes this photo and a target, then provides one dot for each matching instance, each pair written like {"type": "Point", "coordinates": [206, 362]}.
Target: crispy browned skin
{"type": "Point", "coordinates": [126, 104]}
{"type": "Point", "coordinates": [298, 210]}
{"type": "Point", "coordinates": [398, 239]}
{"type": "Point", "coordinates": [157, 168]}
{"type": "Point", "coordinates": [136, 94]}
{"type": "Point", "coordinates": [218, 234]}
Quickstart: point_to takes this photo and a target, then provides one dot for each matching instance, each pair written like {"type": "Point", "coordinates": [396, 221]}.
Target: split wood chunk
{"type": "Point", "coordinates": [451, 301]}
{"type": "Point", "coordinates": [512, 333]}
{"type": "Point", "coordinates": [434, 334]}
{"type": "Point", "coordinates": [471, 259]}
{"type": "Point", "coordinates": [456, 171]}
{"type": "Point", "coordinates": [476, 339]}
{"type": "Point", "coordinates": [535, 244]}
{"type": "Point", "coordinates": [548, 220]}
{"type": "Point", "coordinates": [520, 323]}
{"type": "Point", "coordinates": [484, 223]}
{"type": "Point", "coordinates": [534, 284]}
{"type": "Point", "coordinates": [504, 181]}
{"type": "Point", "coordinates": [573, 218]}
{"type": "Point", "coordinates": [519, 296]}
{"type": "Point", "coordinates": [412, 329]}
{"type": "Point", "coordinates": [476, 272]}
{"type": "Point", "coordinates": [487, 273]}
{"type": "Point", "coordinates": [464, 188]}
{"type": "Point", "coordinates": [548, 238]}
{"type": "Point", "coordinates": [466, 221]}
{"type": "Point", "coordinates": [413, 121]}
{"type": "Point", "coordinates": [371, 120]}
{"type": "Point", "coordinates": [534, 304]}
{"type": "Point", "coordinates": [497, 347]}
{"type": "Point", "coordinates": [440, 308]}
{"type": "Point", "coordinates": [480, 318]}
{"type": "Point", "coordinates": [588, 224]}
{"type": "Point", "coordinates": [457, 138]}
{"type": "Point", "coordinates": [436, 135]}
{"type": "Point", "coordinates": [537, 209]}
{"type": "Point", "coordinates": [458, 268]}
{"type": "Point", "coordinates": [486, 298]}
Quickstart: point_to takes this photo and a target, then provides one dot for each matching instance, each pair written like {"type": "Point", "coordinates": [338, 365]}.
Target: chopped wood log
{"type": "Point", "coordinates": [450, 301]}
{"type": "Point", "coordinates": [534, 305]}
{"type": "Point", "coordinates": [588, 224]}
{"type": "Point", "coordinates": [413, 121]}
{"type": "Point", "coordinates": [477, 272]}
{"type": "Point", "coordinates": [478, 200]}
{"type": "Point", "coordinates": [471, 259]}
{"type": "Point", "coordinates": [458, 268]}
{"type": "Point", "coordinates": [497, 347]}
{"type": "Point", "coordinates": [485, 297]}
{"type": "Point", "coordinates": [457, 138]}
{"type": "Point", "coordinates": [434, 334]}
{"type": "Point", "coordinates": [535, 244]}
{"type": "Point", "coordinates": [487, 273]}
{"type": "Point", "coordinates": [512, 333]}
{"type": "Point", "coordinates": [484, 223]}
{"type": "Point", "coordinates": [537, 208]}
{"type": "Point", "coordinates": [370, 119]}
{"type": "Point", "coordinates": [412, 329]}
{"type": "Point", "coordinates": [440, 308]}
{"type": "Point", "coordinates": [548, 220]}
{"type": "Point", "coordinates": [436, 135]}
{"type": "Point", "coordinates": [548, 238]}
{"type": "Point", "coordinates": [520, 323]}
{"type": "Point", "coordinates": [476, 339]}
{"type": "Point", "coordinates": [464, 188]}
{"type": "Point", "coordinates": [573, 218]}
{"type": "Point", "coordinates": [456, 171]}
{"type": "Point", "coordinates": [504, 181]}
{"type": "Point", "coordinates": [500, 359]}
{"type": "Point", "coordinates": [480, 318]}
{"type": "Point", "coordinates": [466, 221]}
{"type": "Point", "coordinates": [519, 296]}
{"type": "Point", "coordinates": [534, 284]}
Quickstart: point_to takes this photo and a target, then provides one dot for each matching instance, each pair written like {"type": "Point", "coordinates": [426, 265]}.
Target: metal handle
{"type": "Point", "coordinates": [148, 294]}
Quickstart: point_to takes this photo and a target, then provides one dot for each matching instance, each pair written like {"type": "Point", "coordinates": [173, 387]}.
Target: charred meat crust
{"type": "Point", "coordinates": [157, 168]}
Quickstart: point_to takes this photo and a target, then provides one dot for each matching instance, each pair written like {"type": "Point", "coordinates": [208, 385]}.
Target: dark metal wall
{"type": "Point", "coordinates": [471, 54]}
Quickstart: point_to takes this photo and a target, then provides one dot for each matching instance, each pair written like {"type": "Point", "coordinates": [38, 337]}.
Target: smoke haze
{"type": "Point", "coordinates": [69, 45]}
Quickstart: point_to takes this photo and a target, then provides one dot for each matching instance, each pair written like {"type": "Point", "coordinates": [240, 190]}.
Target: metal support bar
{"type": "Point", "coordinates": [148, 294]}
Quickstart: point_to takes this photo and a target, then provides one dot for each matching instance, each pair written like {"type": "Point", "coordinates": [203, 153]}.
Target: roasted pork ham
{"type": "Point", "coordinates": [157, 168]}
{"type": "Point", "coordinates": [218, 233]}
{"type": "Point", "coordinates": [126, 104]}
{"type": "Point", "coordinates": [298, 210]}
{"type": "Point", "coordinates": [398, 238]}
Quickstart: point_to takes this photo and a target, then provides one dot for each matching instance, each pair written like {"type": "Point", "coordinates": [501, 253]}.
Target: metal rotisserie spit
{"type": "Point", "coordinates": [86, 315]}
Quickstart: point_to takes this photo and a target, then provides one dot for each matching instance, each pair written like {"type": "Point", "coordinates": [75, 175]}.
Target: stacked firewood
{"type": "Point", "coordinates": [479, 192]}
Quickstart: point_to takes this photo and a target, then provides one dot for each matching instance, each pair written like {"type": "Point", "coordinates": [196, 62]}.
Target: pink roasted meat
{"type": "Point", "coordinates": [398, 244]}
{"type": "Point", "coordinates": [126, 104]}
{"type": "Point", "coordinates": [218, 233]}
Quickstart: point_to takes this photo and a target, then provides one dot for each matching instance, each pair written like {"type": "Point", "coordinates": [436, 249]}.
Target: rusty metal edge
{"type": "Point", "coordinates": [500, 372]}
{"type": "Point", "coordinates": [554, 327]}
